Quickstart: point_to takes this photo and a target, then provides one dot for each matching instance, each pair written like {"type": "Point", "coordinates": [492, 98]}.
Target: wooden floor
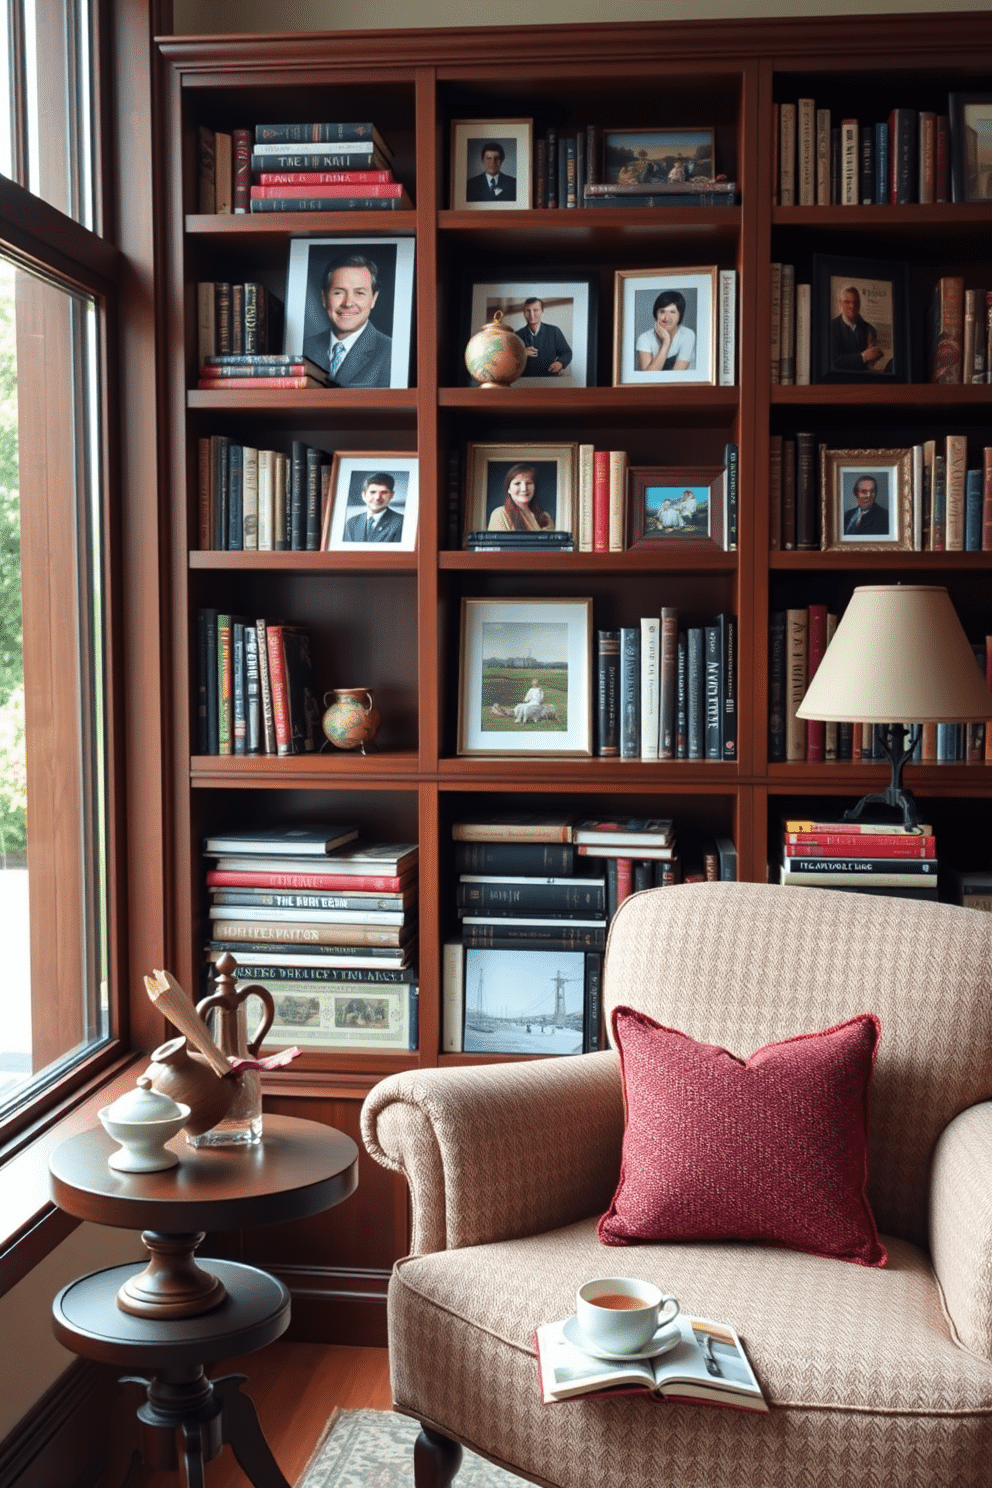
{"type": "Point", "coordinates": [295, 1386]}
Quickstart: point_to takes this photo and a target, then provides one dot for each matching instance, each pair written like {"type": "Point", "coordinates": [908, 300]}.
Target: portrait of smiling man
{"type": "Point", "coordinates": [351, 349]}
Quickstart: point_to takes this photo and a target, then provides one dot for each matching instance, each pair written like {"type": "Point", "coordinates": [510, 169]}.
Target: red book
{"type": "Point", "coordinates": [324, 178]}
{"type": "Point", "coordinates": [851, 844]}
{"type": "Point", "coordinates": [816, 645]}
{"type": "Point", "coordinates": [625, 879]}
{"type": "Point", "coordinates": [233, 384]}
{"type": "Point", "coordinates": [942, 160]}
{"type": "Point", "coordinates": [385, 189]}
{"type": "Point", "coordinates": [374, 883]}
{"type": "Point", "coordinates": [280, 695]}
{"type": "Point", "coordinates": [601, 501]}
{"type": "Point", "coordinates": [241, 168]}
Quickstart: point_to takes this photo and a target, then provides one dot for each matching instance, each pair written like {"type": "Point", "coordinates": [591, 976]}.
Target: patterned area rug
{"type": "Point", "coordinates": [374, 1449]}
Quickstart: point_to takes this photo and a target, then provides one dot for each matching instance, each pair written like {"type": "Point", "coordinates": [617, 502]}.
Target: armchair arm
{"type": "Point", "coordinates": [961, 1225]}
{"type": "Point", "coordinates": [500, 1151]}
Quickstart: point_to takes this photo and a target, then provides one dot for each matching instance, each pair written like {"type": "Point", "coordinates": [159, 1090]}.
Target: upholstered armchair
{"type": "Point", "coordinates": [874, 1375]}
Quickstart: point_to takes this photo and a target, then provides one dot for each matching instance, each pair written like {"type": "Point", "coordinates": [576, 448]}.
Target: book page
{"type": "Point", "coordinates": [709, 1357]}
{"type": "Point", "coordinates": [567, 1370]}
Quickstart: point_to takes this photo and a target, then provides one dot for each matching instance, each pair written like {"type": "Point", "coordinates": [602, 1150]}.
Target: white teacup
{"type": "Point", "coordinates": [621, 1314]}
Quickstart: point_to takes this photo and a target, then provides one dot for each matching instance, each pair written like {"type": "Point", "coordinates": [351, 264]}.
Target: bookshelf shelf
{"type": "Point", "coordinates": [297, 562]}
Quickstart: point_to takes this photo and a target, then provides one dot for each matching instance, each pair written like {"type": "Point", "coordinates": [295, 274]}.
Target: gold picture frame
{"type": "Point", "coordinates": [885, 523]}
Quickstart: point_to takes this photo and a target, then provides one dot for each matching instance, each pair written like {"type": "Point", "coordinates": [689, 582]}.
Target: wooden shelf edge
{"type": "Point", "coordinates": [338, 561]}
{"type": "Point", "coordinates": [635, 560]}
{"type": "Point", "coordinates": [347, 771]}
{"type": "Point", "coordinates": [294, 224]}
{"type": "Point", "coordinates": [900, 394]}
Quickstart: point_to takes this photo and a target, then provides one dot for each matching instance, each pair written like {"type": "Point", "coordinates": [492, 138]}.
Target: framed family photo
{"type": "Point", "coordinates": [676, 505]}
{"type": "Point", "coordinates": [520, 487]}
{"type": "Point", "coordinates": [490, 164]}
{"type": "Point", "coordinates": [373, 500]}
{"type": "Point", "coordinates": [643, 156]}
{"type": "Point", "coordinates": [555, 317]}
{"type": "Point", "coordinates": [860, 320]}
{"type": "Point", "coordinates": [664, 326]}
{"type": "Point", "coordinates": [971, 147]}
{"type": "Point", "coordinates": [866, 500]}
{"type": "Point", "coordinates": [525, 677]}
{"type": "Point", "coordinates": [349, 307]}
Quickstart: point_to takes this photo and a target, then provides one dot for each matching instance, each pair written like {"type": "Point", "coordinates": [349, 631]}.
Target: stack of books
{"type": "Point", "coordinates": [323, 168]}
{"type": "Point", "coordinates": [862, 857]}
{"type": "Point", "coordinates": [700, 192]}
{"type": "Point", "coordinates": [281, 370]}
{"type": "Point", "coordinates": [636, 852]}
{"type": "Point", "coordinates": [327, 924]}
{"type": "Point", "coordinates": [524, 976]}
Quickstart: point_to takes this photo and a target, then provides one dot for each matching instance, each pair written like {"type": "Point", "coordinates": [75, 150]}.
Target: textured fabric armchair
{"type": "Point", "coordinates": [874, 1376]}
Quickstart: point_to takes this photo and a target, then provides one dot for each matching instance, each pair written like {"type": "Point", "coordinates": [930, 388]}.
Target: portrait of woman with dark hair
{"type": "Point", "coordinates": [669, 346]}
{"type": "Point", "coordinates": [521, 511]}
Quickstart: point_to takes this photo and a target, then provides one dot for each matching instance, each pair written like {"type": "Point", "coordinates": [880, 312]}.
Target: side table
{"type": "Point", "coordinates": [174, 1315]}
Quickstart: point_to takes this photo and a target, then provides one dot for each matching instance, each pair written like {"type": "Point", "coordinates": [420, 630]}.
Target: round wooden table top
{"type": "Point", "coordinates": [299, 1168]}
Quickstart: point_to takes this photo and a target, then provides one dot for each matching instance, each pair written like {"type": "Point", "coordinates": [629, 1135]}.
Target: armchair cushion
{"type": "Point", "coordinates": [771, 1148]}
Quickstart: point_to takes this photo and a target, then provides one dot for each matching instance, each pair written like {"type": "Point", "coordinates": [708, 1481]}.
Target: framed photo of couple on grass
{"type": "Point", "coordinates": [525, 677]}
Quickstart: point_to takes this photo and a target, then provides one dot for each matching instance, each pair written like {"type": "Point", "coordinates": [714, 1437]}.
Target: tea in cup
{"type": "Point", "coordinates": [621, 1314]}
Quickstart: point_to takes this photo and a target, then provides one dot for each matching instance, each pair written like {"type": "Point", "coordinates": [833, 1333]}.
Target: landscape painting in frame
{"type": "Point", "coordinates": [524, 1002]}
{"type": "Point", "coordinates": [525, 677]}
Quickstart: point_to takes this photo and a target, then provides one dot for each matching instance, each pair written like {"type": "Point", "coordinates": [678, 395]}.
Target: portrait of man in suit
{"type": "Point", "coordinates": [492, 183]}
{"type": "Point", "coordinates": [350, 347]}
{"type": "Point", "coordinates": [376, 524]}
{"type": "Point", "coordinates": [867, 517]}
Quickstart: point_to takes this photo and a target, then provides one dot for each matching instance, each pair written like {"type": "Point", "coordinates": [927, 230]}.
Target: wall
{"type": "Point", "coordinates": [220, 16]}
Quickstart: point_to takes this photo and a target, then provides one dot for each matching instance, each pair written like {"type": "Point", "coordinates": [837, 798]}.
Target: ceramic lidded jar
{"type": "Point", "coordinates": [352, 720]}
{"type": "Point", "coordinates": [142, 1121]}
{"type": "Point", "coordinates": [495, 355]}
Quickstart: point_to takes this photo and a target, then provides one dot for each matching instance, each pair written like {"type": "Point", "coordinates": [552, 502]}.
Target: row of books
{"type": "Point", "coordinates": [255, 687]}
{"type": "Point", "coordinates": [260, 500]}
{"type": "Point", "coordinates": [296, 167]}
{"type": "Point", "coordinates": [946, 507]}
{"type": "Point", "coordinates": [236, 320]}
{"type": "Point", "coordinates": [667, 691]}
{"type": "Point", "coordinates": [798, 639]}
{"type": "Point", "coordinates": [279, 370]}
{"type": "Point", "coordinates": [859, 858]}
{"type": "Point", "coordinates": [327, 924]}
{"type": "Point", "coordinates": [584, 168]}
{"type": "Point", "coordinates": [902, 159]}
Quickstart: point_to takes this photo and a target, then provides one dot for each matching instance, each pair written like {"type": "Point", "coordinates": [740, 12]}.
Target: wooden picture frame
{"type": "Point", "coordinates": [677, 506]}
{"type": "Point", "coordinates": [355, 518]}
{"type": "Point", "coordinates": [525, 986]}
{"type": "Point", "coordinates": [971, 146]}
{"type": "Point", "coordinates": [841, 473]}
{"type": "Point", "coordinates": [525, 678]}
{"type": "Point", "coordinates": [380, 356]}
{"type": "Point", "coordinates": [860, 320]}
{"type": "Point", "coordinates": [685, 300]}
{"type": "Point", "coordinates": [489, 470]}
{"type": "Point", "coordinates": [569, 302]}
{"type": "Point", "coordinates": [641, 156]}
{"type": "Point", "coordinates": [475, 144]}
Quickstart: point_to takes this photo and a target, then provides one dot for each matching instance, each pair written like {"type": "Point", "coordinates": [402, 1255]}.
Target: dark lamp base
{"type": "Point", "coordinates": [894, 796]}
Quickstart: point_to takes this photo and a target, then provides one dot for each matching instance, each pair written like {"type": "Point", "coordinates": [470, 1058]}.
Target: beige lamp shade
{"type": "Point", "coordinates": [898, 655]}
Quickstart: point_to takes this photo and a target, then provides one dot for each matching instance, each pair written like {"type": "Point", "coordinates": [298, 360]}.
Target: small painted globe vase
{"type": "Point", "coordinates": [495, 355]}
{"type": "Point", "coordinates": [352, 720]}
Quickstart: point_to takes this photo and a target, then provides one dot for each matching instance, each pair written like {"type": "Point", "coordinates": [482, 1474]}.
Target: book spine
{"type": "Point", "coordinates": [590, 899]}
{"type": "Point", "coordinates": [866, 153]}
{"type": "Point", "coordinates": [311, 160]}
{"type": "Point", "coordinates": [289, 902]}
{"type": "Point", "coordinates": [728, 327]}
{"type": "Point", "coordinates": [775, 323]}
{"type": "Point", "coordinates": [265, 491]}
{"type": "Point", "coordinates": [787, 155]}
{"type": "Point", "coordinates": [584, 533]}
{"type": "Point", "coordinates": [987, 499]}
{"type": "Point", "coordinates": [245, 878]}
{"type": "Point", "coordinates": [844, 844]}
{"type": "Point", "coordinates": [452, 996]}
{"type": "Point", "coordinates": [942, 159]}
{"type": "Point", "coordinates": [286, 916]}
{"type": "Point", "coordinates": [515, 938]}
{"type": "Point", "coordinates": [202, 665]}
{"type": "Point", "coordinates": [592, 1010]}
{"type": "Point", "coordinates": [816, 647]}
{"type": "Point", "coordinates": [668, 682]}
{"type": "Point", "coordinates": [713, 693]}
{"type": "Point", "coordinates": [807, 538]}
{"type": "Point", "coordinates": [213, 683]}
{"type": "Point", "coordinates": [650, 699]}
{"type": "Point", "coordinates": [776, 686]}
{"type": "Point", "coordinates": [343, 178]}
{"type": "Point", "coordinates": [206, 170]}
{"type": "Point", "coordinates": [947, 330]}
{"type": "Point", "coordinates": [280, 973]}
{"type": "Point", "coordinates": [803, 334]}
{"type": "Point", "coordinates": [630, 692]}
{"type": "Point", "coordinates": [695, 689]}
{"type": "Point", "coordinates": [775, 492]}
{"type": "Point", "coordinates": [328, 190]}
{"type": "Point", "coordinates": [956, 464]}
{"type": "Point", "coordinates": [515, 857]}
{"type": "Point", "coordinates": [253, 714]}
{"type": "Point", "coordinates": [224, 686]}
{"type": "Point", "coordinates": [797, 622]}
{"type": "Point", "coordinates": [297, 495]}
{"type": "Point", "coordinates": [221, 384]}
{"type": "Point", "coordinates": [903, 129]}
{"type": "Point", "coordinates": [315, 133]}
{"type": "Point", "coordinates": [927, 170]}
{"type": "Point", "coordinates": [788, 494]}
{"type": "Point", "coordinates": [968, 340]}
{"type": "Point", "coordinates": [894, 868]}
{"type": "Point", "coordinates": [326, 204]}
{"type": "Point", "coordinates": [787, 326]}
{"type": "Point", "coordinates": [219, 445]}
{"type": "Point", "coordinates": [806, 152]}
{"type": "Point", "coordinates": [205, 495]}
{"type": "Point", "coordinates": [235, 498]}
{"type": "Point", "coordinates": [617, 501]}
{"type": "Point", "coordinates": [882, 166]}
{"type": "Point", "coordinates": [265, 688]}
{"type": "Point", "coordinates": [938, 505]}
{"type": "Point", "coordinates": [241, 169]}
{"type": "Point", "coordinates": [280, 502]}
{"type": "Point", "coordinates": [551, 140]}
{"type": "Point", "coordinates": [849, 145]}
{"type": "Point", "coordinates": [288, 932]}
{"type": "Point", "coordinates": [237, 319]}
{"type": "Point", "coordinates": [823, 198]}
{"type": "Point", "coordinates": [608, 693]}
{"type": "Point", "coordinates": [239, 707]}
{"type": "Point", "coordinates": [249, 499]}
{"type": "Point", "coordinates": [601, 501]}
{"type": "Point", "coordinates": [540, 172]}
{"type": "Point", "coordinates": [223, 173]}
{"type": "Point", "coordinates": [729, 681]}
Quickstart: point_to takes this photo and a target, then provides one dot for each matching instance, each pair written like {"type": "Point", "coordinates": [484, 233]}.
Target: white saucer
{"type": "Point", "coordinates": [663, 1340]}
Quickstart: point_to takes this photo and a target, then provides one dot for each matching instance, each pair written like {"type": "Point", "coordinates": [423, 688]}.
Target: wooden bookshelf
{"type": "Point", "coordinates": [390, 621]}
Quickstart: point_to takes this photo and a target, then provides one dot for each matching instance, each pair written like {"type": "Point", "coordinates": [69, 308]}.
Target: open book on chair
{"type": "Point", "coordinates": [707, 1364]}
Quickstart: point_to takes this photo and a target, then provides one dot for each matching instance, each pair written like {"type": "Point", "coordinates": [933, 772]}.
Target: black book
{"type": "Point", "coordinates": [552, 167]}
{"type": "Point", "coordinates": [807, 537]}
{"type": "Point", "coordinates": [235, 497]}
{"type": "Point", "coordinates": [608, 693]}
{"type": "Point", "coordinates": [221, 482]}
{"type": "Point", "coordinates": [630, 692]}
{"type": "Point", "coordinates": [903, 132]}
{"type": "Point", "coordinates": [564, 937]}
{"type": "Point", "coordinates": [271, 949]}
{"type": "Point", "coordinates": [253, 697]}
{"type": "Point", "coordinates": [601, 198]}
{"type": "Point", "coordinates": [585, 896]}
{"type": "Point", "coordinates": [312, 524]}
{"type": "Point", "coordinates": [643, 874]}
{"type": "Point", "coordinates": [237, 319]}
{"type": "Point", "coordinates": [682, 698]}
{"type": "Point", "coordinates": [731, 461]}
{"type": "Point", "coordinates": [866, 184]}
{"type": "Point", "coordinates": [202, 673]}
{"type": "Point", "coordinates": [297, 496]}
{"type": "Point", "coordinates": [776, 685]}
{"type": "Point", "coordinates": [728, 625]}
{"type": "Point", "coordinates": [593, 1008]}
{"type": "Point", "coordinates": [223, 328]}
{"type": "Point", "coordinates": [255, 337]}
{"type": "Point", "coordinates": [539, 858]}
{"type": "Point", "coordinates": [712, 692]}
{"type": "Point", "coordinates": [695, 693]}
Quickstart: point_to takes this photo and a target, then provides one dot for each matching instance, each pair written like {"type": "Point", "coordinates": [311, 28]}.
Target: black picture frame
{"type": "Point", "coordinates": [971, 146]}
{"type": "Point", "coordinates": [882, 287]}
{"type": "Point", "coordinates": [571, 296]}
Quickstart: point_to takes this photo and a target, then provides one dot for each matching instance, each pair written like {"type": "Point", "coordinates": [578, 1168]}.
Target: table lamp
{"type": "Point", "coordinates": [898, 656]}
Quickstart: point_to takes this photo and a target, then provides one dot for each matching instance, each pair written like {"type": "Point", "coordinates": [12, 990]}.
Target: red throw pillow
{"type": "Point", "coordinates": [771, 1148]}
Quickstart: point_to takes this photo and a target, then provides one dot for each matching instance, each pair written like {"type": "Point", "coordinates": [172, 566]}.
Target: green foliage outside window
{"type": "Point", "coordinates": [13, 776]}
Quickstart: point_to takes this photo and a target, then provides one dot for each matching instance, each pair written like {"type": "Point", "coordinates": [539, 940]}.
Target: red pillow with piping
{"type": "Point", "coordinates": [771, 1148]}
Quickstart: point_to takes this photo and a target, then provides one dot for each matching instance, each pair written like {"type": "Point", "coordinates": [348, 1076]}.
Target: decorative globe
{"type": "Point", "coordinates": [496, 356]}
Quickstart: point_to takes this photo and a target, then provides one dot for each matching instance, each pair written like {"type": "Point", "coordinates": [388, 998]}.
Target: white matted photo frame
{"type": "Point", "coordinates": [520, 487]}
{"type": "Point", "coordinates": [553, 314]}
{"type": "Point", "coordinates": [491, 164]}
{"type": "Point", "coordinates": [866, 500]}
{"type": "Point", "coordinates": [373, 500]}
{"type": "Point", "coordinates": [525, 677]}
{"type": "Point", "coordinates": [349, 308]}
{"type": "Point", "coordinates": [664, 328]}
